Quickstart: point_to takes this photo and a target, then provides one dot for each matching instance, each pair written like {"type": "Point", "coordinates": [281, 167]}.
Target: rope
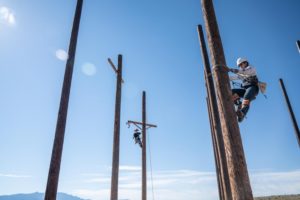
{"type": "Point", "coordinates": [150, 166]}
{"type": "Point", "coordinates": [216, 66]}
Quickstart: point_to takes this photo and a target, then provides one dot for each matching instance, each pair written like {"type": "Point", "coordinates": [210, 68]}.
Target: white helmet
{"type": "Point", "coordinates": [241, 60]}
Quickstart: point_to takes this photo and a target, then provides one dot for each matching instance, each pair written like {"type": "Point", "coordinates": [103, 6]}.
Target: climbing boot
{"type": "Point", "coordinates": [240, 115]}
{"type": "Point", "coordinates": [140, 143]}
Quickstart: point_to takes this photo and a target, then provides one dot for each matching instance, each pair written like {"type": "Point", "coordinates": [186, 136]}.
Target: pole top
{"type": "Point", "coordinates": [298, 45]}
{"type": "Point", "coordinates": [199, 26]}
{"type": "Point", "coordinates": [113, 66]}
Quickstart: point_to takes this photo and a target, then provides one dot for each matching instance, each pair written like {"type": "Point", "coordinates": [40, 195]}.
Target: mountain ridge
{"type": "Point", "coordinates": [64, 196]}
{"type": "Point", "coordinates": [38, 196]}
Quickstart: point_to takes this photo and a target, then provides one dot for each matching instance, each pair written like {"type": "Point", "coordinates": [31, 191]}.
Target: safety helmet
{"type": "Point", "coordinates": [240, 60]}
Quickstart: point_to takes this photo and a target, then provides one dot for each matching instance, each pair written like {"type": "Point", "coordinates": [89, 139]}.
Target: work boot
{"type": "Point", "coordinates": [240, 115]}
{"type": "Point", "coordinates": [140, 143]}
{"type": "Point", "coordinates": [245, 109]}
{"type": "Point", "coordinates": [238, 102]}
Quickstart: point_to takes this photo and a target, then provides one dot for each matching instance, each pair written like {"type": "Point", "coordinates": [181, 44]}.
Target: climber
{"type": "Point", "coordinates": [249, 87]}
{"type": "Point", "coordinates": [136, 137]}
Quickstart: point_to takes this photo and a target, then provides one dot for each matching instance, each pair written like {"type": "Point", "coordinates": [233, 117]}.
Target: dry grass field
{"type": "Point", "coordinates": [280, 197]}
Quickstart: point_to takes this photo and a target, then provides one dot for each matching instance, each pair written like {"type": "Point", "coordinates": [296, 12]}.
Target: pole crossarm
{"type": "Point", "coordinates": [113, 67]}
{"type": "Point", "coordinates": [140, 123]}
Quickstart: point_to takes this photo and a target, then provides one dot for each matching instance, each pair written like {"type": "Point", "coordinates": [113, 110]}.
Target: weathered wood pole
{"type": "Point", "coordinates": [297, 132]}
{"type": "Point", "coordinates": [145, 126]}
{"type": "Point", "coordinates": [216, 153]}
{"type": "Point", "coordinates": [53, 176]}
{"type": "Point", "coordinates": [220, 154]}
{"type": "Point", "coordinates": [236, 163]}
{"type": "Point", "coordinates": [116, 142]}
{"type": "Point", "coordinates": [144, 150]}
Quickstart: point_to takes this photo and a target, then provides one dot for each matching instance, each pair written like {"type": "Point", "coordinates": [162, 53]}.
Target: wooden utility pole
{"type": "Point", "coordinates": [236, 162]}
{"type": "Point", "coordinates": [216, 130]}
{"type": "Point", "coordinates": [116, 142]}
{"type": "Point", "coordinates": [144, 149]}
{"type": "Point", "coordinates": [53, 176]}
{"type": "Point", "coordinates": [216, 153]}
{"type": "Point", "coordinates": [144, 142]}
{"type": "Point", "coordinates": [297, 132]}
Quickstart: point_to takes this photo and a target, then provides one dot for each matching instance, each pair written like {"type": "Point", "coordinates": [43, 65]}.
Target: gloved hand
{"type": "Point", "coordinates": [234, 70]}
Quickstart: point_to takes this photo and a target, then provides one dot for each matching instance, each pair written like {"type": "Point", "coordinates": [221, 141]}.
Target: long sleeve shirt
{"type": "Point", "coordinates": [247, 75]}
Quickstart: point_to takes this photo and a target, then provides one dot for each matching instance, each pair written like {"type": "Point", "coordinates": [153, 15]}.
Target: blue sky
{"type": "Point", "coordinates": [161, 54]}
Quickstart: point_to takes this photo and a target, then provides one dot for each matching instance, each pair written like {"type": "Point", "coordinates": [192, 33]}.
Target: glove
{"type": "Point", "coordinates": [234, 70]}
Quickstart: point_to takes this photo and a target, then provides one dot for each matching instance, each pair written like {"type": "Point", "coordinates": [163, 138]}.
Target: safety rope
{"type": "Point", "coordinates": [149, 148]}
{"type": "Point", "coordinates": [219, 66]}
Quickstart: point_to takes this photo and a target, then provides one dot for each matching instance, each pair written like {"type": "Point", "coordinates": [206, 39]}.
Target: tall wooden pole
{"type": "Point", "coordinates": [236, 162]}
{"type": "Point", "coordinates": [297, 132]}
{"type": "Point", "coordinates": [220, 155]}
{"type": "Point", "coordinates": [216, 153]}
{"type": "Point", "coordinates": [53, 176]}
{"type": "Point", "coordinates": [116, 142]}
{"type": "Point", "coordinates": [144, 158]}
{"type": "Point", "coordinates": [143, 126]}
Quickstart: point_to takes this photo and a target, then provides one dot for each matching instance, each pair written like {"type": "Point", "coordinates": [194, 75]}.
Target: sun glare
{"type": "Point", "coordinates": [61, 54]}
{"type": "Point", "coordinates": [7, 16]}
{"type": "Point", "coordinates": [89, 69]}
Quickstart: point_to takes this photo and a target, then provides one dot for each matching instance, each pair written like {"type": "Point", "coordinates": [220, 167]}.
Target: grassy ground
{"type": "Point", "coordinates": [281, 197]}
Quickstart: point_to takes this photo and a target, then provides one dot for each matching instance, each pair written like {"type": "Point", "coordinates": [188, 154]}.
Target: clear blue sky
{"type": "Point", "coordinates": [160, 48]}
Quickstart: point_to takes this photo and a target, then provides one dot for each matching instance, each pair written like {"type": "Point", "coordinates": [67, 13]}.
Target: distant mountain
{"type": "Point", "coordinates": [37, 196]}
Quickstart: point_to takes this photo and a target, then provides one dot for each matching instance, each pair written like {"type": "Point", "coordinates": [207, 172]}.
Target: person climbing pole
{"type": "Point", "coordinates": [249, 87]}
{"type": "Point", "coordinates": [137, 138]}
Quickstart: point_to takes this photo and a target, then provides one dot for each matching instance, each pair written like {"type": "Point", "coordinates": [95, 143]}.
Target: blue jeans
{"type": "Point", "coordinates": [248, 93]}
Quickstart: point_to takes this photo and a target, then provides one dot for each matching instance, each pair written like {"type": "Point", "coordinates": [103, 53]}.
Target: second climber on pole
{"type": "Point", "coordinates": [137, 138]}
